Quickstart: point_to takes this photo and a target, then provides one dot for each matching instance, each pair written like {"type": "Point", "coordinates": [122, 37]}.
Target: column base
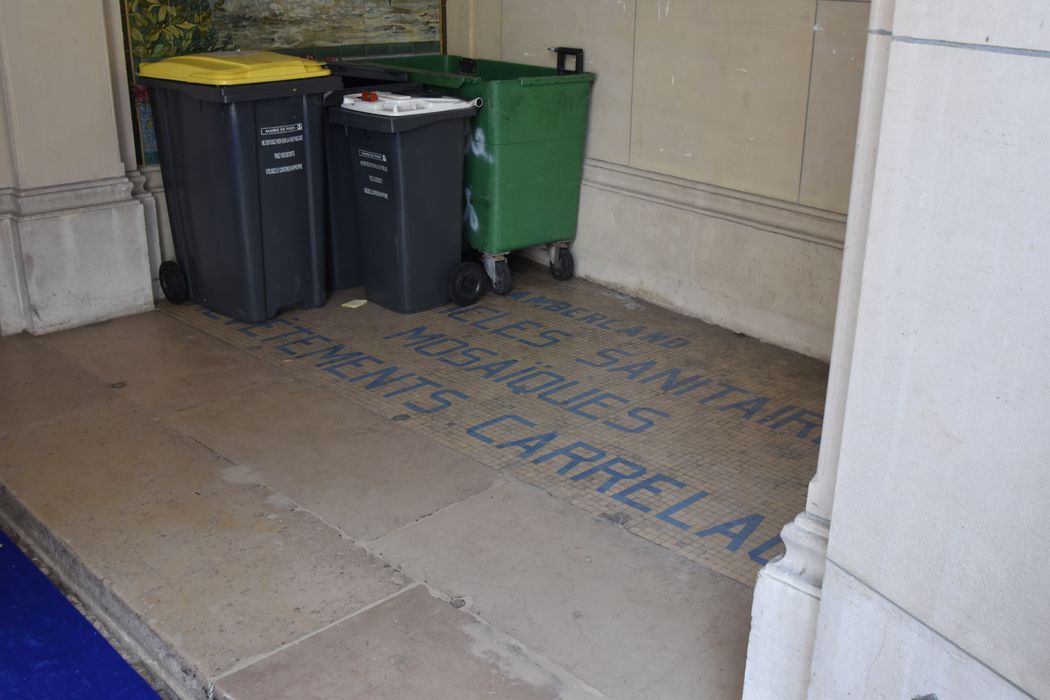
{"type": "Point", "coordinates": [784, 614]}
{"type": "Point", "coordinates": [72, 255]}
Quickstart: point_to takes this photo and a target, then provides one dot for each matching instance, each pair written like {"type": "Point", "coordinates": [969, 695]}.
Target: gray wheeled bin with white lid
{"type": "Point", "coordinates": [345, 268]}
{"type": "Point", "coordinates": [407, 161]}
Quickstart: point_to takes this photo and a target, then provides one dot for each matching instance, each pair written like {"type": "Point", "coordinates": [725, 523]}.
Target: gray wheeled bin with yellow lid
{"type": "Point", "coordinates": [241, 139]}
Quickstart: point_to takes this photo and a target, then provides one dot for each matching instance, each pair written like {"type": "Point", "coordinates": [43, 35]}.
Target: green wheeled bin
{"type": "Point", "coordinates": [524, 160]}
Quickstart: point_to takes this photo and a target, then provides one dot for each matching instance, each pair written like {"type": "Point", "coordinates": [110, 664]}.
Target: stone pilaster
{"type": "Point", "coordinates": [73, 246]}
{"type": "Point", "coordinates": [788, 590]}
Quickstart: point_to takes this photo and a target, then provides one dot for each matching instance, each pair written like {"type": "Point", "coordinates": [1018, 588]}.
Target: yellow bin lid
{"type": "Point", "coordinates": [233, 68]}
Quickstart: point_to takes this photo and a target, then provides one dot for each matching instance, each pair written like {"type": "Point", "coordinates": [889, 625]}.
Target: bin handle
{"type": "Point", "coordinates": [554, 79]}
{"type": "Point", "coordinates": [563, 53]}
{"type": "Point", "coordinates": [433, 77]}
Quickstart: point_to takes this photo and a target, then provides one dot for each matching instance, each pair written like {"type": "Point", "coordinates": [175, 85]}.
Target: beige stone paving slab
{"type": "Point", "coordinates": [36, 383]}
{"type": "Point", "coordinates": [691, 379]}
{"type": "Point", "coordinates": [411, 646]}
{"type": "Point", "coordinates": [360, 472]}
{"type": "Point", "coordinates": [162, 364]}
{"type": "Point", "coordinates": [224, 571]}
{"type": "Point", "coordinates": [632, 620]}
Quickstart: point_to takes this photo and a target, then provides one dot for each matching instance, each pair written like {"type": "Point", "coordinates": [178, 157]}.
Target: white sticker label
{"type": "Point", "coordinates": [372, 155]}
{"type": "Point", "coordinates": [284, 169]}
{"type": "Point", "coordinates": [376, 193]}
{"type": "Point", "coordinates": [282, 129]}
{"type": "Point", "coordinates": [283, 140]}
{"type": "Point", "coordinates": [374, 166]}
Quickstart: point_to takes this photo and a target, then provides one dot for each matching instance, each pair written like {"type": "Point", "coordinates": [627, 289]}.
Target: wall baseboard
{"type": "Point", "coordinates": [762, 213]}
{"type": "Point", "coordinates": [44, 201]}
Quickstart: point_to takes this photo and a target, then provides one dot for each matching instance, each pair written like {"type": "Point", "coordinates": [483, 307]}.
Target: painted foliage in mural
{"type": "Point", "coordinates": [162, 28]}
{"type": "Point", "coordinates": [276, 24]}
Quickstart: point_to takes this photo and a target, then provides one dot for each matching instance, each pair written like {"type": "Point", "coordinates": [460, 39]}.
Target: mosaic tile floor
{"type": "Point", "coordinates": [684, 433]}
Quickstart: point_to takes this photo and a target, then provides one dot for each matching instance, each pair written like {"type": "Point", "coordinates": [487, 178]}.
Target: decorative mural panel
{"type": "Point", "coordinates": [326, 29]}
{"type": "Point", "coordinates": [296, 24]}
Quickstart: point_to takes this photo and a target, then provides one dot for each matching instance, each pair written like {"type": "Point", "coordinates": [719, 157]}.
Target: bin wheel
{"type": "Point", "coordinates": [466, 285]}
{"type": "Point", "coordinates": [564, 267]}
{"type": "Point", "coordinates": [173, 282]}
{"type": "Point", "coordinates": [502, 281]}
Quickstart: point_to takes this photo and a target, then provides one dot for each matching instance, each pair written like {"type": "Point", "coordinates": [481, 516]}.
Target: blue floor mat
{"type": "Point", "coordinates": [48, 650]}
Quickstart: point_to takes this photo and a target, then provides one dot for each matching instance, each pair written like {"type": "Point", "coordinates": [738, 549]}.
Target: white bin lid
{"type": "Point", "coordinates": [389, 104]}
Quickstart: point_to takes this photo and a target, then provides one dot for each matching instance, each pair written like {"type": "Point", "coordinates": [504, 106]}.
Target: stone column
{"type": "Point", "coordinates": [787, 593]}
{"type": "Point", "coordinates": [73, 247]}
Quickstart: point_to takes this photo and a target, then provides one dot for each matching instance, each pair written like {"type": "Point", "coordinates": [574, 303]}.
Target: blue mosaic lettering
{"type": "Point", "coordinates": [546, 396]}
{"type": "Point", "coordinates": [481, 324]}
{"type": "Point", "coordinates": [632, 331]}
{"type": "Point", "coordinates": [299, 330]}
{"type": "Point", "coordinates": [600, 401]}
{"type": "Point", "coordinates": [674, 384]}
{"type": "Point", "coordinates": [574, 458]}
{"type": "Point", "coordinates": [757, 552]}
{"type": "Point", "coordinates": [492, 368]}
{"type": "Point", "coordinates": [460, 314]}
{"type": "Point", "coordinates": [353, 362]}
{"type": "Point", "coordinates": [729, 389]}
{"type": "Point", "coordinates": [801, 417]}
{"type": "Point", "coordinates": [614, 476]}
{"type": "Point", "coordinates": [308, 340]}
{"type": "Point", "coordinates": [471, 355]}
{"type": "Point", "coordinates": [644, 423]}
{"type": "Point", "coordinates": [635, 370]}
{"type": "Point", "coordinates": [441, 343]}
{"type": "Point", "coordinates": [420, 383]}
{"type": "Point", "coordinates": [250, 328]}
{"type": "Point", "coordinates": [383, 377]}
{"type": "Point", "coordinates": [518, 386]}
{"type": "Point", "coordinates": [646, 485]}
{"type": "Point", "coordinates": [441, 403]}
{"type": "Point", "coordinates": [594, 318]}
{"type": "Point", "coordinates": [517, 325]}
{"type": "Point", "coordinates": [552, 336]}
{"type": "Point", "coordinates": [776, 414]}
{"type": "Point", "coordinates": [530, 445]}
{"type": "Point", "coordinates": [415, 336]}
{"type": "Point", "coordinates": [665, 515]}
{"type": "Point", "coordinates": [475, 430]}
{"type": "Point", "coordinates": [748, 408]}
{"type": "Point", "coordinates": [332, 354]}
{"type": "Point", "coordinates": [516, 373]}
{"type": "Point", "coordinates": [736, 530]}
